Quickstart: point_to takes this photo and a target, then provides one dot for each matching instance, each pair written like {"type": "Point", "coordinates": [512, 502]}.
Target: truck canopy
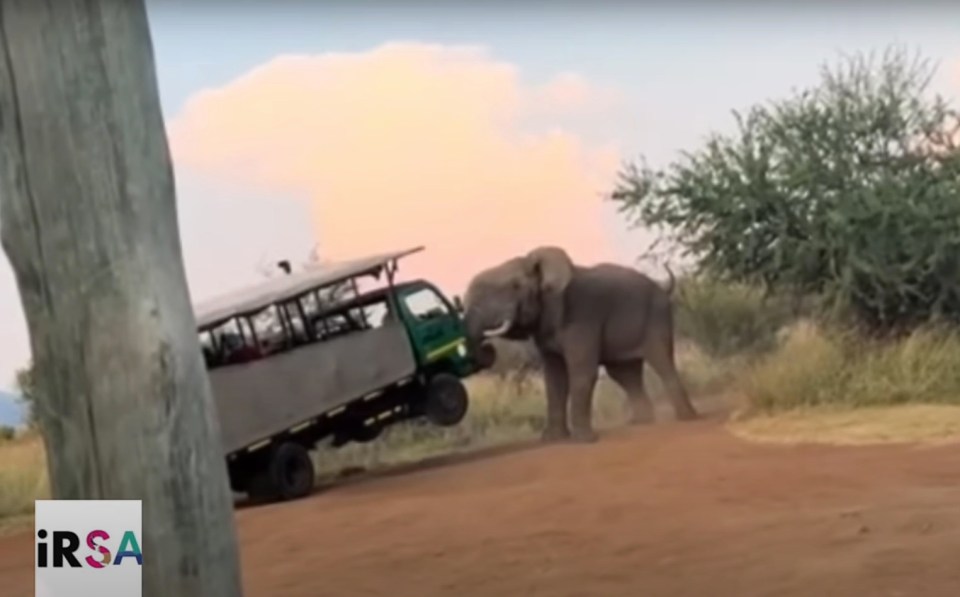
{"type": "Point", "coordinates": [253, 298]}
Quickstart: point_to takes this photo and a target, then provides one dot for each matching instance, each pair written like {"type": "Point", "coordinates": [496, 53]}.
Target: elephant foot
{"type": "Point", "coordinates": [555, 434]}
{"type": "Point", "coordinates": [641, 418]}
{"type": "Point", "coordinates": [583, 436]}
{"type": "Point", "coordinates": [687, 413]}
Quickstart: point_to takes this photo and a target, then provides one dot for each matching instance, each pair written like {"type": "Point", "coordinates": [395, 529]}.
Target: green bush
{"type": "Point", "coordinates": [849, 190]}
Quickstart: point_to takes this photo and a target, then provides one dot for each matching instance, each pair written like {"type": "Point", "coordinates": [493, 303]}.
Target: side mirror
{"type": "Point", "coordinates": [458, 303]}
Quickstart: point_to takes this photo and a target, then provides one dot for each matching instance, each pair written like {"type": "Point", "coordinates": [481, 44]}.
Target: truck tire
{"type": "Point", "coordinates": [446, 400]}
{"type": "Point", "coordinates": [288, 475]}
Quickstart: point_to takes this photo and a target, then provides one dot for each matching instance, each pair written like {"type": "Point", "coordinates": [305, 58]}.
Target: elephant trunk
{"type": "Point", "coordinates": [474, 330]}
{"type": "Point", "coordinates": [478, 344]}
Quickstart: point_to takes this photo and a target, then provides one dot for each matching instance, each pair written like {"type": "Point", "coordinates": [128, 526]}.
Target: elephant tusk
{"type": "Point", "coordinates": [498, 331]}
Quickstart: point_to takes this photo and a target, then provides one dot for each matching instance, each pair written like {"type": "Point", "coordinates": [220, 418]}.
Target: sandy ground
{"type": "Point", "coordinates": [668, 510]}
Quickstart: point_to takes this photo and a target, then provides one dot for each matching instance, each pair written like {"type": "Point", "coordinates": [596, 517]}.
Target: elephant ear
{"type": "Point", "coordinates": [552, 270]}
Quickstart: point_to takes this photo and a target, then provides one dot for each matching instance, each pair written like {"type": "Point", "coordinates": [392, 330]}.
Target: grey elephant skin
{"type": "Point", "coordinates": [580, 318]}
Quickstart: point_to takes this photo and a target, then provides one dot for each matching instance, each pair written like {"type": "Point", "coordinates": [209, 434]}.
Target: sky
{"type": "Point", "coordinates": [479, 130]}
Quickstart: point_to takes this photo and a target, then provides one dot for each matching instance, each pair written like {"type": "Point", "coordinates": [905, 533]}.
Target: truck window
{"type": "Point", "coordinates": [269, 329]}
{"type": "Point", "coordinates": [206, 340]}
{"type": "Point", "coordinates": [344, 321]}
{"type": "Point", "coordinates": [208, 349]}
{"type": "Point", "coordinates": [376, 314]}
{"type": "Point", "coordinates": [327, 298]}
{"type": "Point", "coordinates": [296, 327]}
{"type": "Point", "coordinates": [227, 343]}
{"type": "Point", "coordinates": [425, 304]}
{"type": "Point", "coordinates": [310, 304]}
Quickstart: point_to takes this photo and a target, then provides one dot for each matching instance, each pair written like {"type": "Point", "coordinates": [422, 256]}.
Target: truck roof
{"type": "Point", "coordinates": [253, 298]}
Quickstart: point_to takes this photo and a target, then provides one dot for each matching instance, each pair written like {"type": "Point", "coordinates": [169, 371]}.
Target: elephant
{"type": "Point", "coordinates": [579, 318]}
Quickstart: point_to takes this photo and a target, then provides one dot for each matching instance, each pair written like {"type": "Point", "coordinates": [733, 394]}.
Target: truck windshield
{"type": "Point", "coordinates": [424, 304]}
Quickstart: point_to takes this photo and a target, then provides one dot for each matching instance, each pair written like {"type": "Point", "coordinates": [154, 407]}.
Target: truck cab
{"type": "Point", "coordinates": [435, 327]}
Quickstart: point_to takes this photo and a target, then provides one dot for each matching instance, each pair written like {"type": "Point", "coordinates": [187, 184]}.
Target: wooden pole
{"type": "Point", "coordinates": [88, 221]}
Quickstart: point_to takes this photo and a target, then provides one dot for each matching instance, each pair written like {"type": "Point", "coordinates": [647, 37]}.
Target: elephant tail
{"type": "Point", "coordinates": [673, 280]}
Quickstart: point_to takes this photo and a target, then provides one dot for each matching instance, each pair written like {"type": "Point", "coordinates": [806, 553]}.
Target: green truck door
{"type": "Point", "coordinates": [434, 327]}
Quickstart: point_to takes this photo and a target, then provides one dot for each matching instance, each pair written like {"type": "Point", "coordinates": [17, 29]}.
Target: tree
{"type": "Point", "coordinates": [28, 393]}
{"type": "Point", "coordinates": [88, 222]}
{"type": "Point", "coordinates": [849, 190]}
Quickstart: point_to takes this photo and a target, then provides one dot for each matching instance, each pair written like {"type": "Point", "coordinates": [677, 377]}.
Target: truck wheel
{"type": "Point", "coordinates": [446, 400]}
{"type": "Point", "coordinates": [289, 475]}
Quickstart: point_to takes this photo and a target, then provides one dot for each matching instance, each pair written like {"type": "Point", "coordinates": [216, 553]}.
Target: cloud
{"type": "Point", "coordinates": [571, 92]}
{"type": "Point", "coordinates": [410, 144]}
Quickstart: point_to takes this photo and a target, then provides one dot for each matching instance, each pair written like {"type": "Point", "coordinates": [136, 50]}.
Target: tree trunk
{"type": "Point", "coordinates": [88, 221]}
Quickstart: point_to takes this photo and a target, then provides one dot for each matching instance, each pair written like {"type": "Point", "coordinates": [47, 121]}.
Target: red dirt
{"type": "Point", "coordinates": [673, 509]}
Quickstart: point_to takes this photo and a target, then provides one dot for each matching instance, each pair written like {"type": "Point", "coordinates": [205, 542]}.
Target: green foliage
{"type": "Point", "coordinates": [27, 387]}
{"type": "Point", "coordinates": [850, 190]}
{"type": "Point", "coordinates": [725, 319]}
{"type": "Point", "coordinates": [7, 433]}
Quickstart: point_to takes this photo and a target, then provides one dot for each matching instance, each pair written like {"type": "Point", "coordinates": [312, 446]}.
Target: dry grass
{"type": "Point", "coordinates": [915, 423]}
{"type": "Point", "coordinates": [805, 385]}
{"type": "Point", "coordinates": [816, 386]}
{"type": "Point", "coordinates": [505, 410]}
{"type": "Point", "coordinates": [814, 367]}
{"type": "Point", "coordinates": [827, 386]}
{"type": "Point", "coordinates": [23, 478]}
{"type": "Point", "coordinates": [502, 411]}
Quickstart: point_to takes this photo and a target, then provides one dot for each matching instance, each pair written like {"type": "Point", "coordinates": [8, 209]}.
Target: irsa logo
{"type": "Point", "coordinates": [66, 543]}
{"type": "Point", "coordinates": [88, 548]}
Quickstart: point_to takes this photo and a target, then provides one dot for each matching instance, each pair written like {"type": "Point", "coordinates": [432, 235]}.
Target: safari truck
{"type": "Point", "coordinates": [307, 356]}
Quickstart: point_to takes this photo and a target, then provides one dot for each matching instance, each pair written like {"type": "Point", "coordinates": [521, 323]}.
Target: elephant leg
{"type": "Point", "coordinates": [555, 380]}
{"type": "Point", "coordinates": [629, 376]}
{"type": "Point", "coordinates": [660, 357]}
{"type": "Point", "coordinates": [551, 320]}
{"type": "Point", "coordinates": [582, 358]}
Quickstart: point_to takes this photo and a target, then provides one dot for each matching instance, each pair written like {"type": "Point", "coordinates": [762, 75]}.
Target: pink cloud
{"type": "Point", "coordinates": [410, 144]}
{"type": "Point", "coordinates": [571, 92]}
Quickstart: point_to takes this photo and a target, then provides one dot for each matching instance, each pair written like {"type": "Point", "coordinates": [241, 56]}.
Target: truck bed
{"type": "Point", "coordinates": [258, 399]}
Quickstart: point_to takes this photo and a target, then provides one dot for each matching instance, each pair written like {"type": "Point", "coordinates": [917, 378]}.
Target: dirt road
{"type": "Point", "coordinates": [668, 510]}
